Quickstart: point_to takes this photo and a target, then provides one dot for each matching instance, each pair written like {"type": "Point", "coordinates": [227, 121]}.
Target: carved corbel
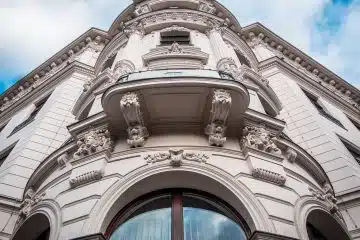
{"type": "Point", "coordinates": [259, 138]}
{"type": "Point", "coordinates": [123, 67]}
{"type": "Point", "coordinates": [93, 141]}
{"type": "Point", "coordinates": [30, 200]}
{"type": "Point", "coordinates": [141, 9]}
{"type": "Point", "coordinates": [220, 110]}
{"type": "Point", "coordinates": [327, 196]}
{"type": "Point", "coordinates": [135, 28]}
{"type": "Point", "coordinates": [131, 109]}
{"type": "Point", "coordinates": [229, 66]}
{"type": "Point", "coordinates": [290, 155]}
{"type": "Point", "coordinates": [207, 6]}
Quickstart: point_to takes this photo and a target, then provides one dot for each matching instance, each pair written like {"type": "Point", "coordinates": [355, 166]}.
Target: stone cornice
{"type": "Point", "coordinates": [47, 86]}
{"type": "Point", "coordinates": [327, 93]}
{"type": "Point", "coordinates": [260, 34]}
{"type": "Point", "coordinates": [255, 117]}
{"type": "Point", "coordinates": [45, 71]}
{"type": "Point", "coordinates": [94, 120]}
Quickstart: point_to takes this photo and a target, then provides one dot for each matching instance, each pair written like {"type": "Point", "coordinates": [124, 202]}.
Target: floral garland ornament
{"type": "Point", "coordinates": [176, 157]}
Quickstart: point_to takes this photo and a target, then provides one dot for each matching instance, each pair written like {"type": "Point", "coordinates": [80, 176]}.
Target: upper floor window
{"type": "Point", "coordinates": [180, 37]}
{"type": "Point", "coordinates": [321, 109]}
{"type": "Point", "coordinates": [352, 150]}
{"type": "Point", "coordinates": [242, 59]}
{"type": "Point", "coordinates": [5, 154]}
{"type": "Point", "coordinates": [31, 117]}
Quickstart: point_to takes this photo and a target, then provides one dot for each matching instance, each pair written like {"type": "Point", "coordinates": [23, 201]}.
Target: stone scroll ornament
{"type": "Point", "coordinates": [176, 157]}
{"type": "Point", "coordinates": [93, 141]}
{"type": "Point", "coordinates": [220, 109]}
{"type": "Point", "coordinates": [30, 200]}
{"type": "Point", "coordinates": [327, 196]}
{"type": "Point", "coordinates": [131, 109]}
{"type": "Point", "coordinates": [259, 138]}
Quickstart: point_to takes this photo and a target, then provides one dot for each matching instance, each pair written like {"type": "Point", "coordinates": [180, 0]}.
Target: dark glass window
{"type": "Point", "coordinates": [314, 234]}
{"type": "Point", "coordinates": [180, 37]}
{"type": "Point", "coordinates": [353, 151]}
{"type": "Point", "coordinates": [31, 117]}
{"type": "Point", "coordinates": [243, 59]}
{"type": "Point", "coordinates": [315, 101]}
{"type": "Point", "coordinates": [178, 215]}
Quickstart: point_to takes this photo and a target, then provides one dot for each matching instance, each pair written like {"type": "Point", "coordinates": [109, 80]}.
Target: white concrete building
{"type": "Point", "coordinates": [179, 123]}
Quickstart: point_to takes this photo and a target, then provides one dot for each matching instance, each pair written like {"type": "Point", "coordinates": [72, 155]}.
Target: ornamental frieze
{"type": "Point", "coordinates": [259, 138]}
{"type": "Point", "coordinates": [93, 141]}
{"type": "Point", "coordinates": [176, 157]}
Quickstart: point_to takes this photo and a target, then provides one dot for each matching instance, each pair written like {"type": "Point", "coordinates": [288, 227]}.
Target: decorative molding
{"type": "Point", "coordinates": [63, 159]}
{"type": "Point", "coordinates": [29, 202]}
{"type": "Point", "coordinates": [290, 154]}
{"type": "Point", "coordinates": [176, 157]}
{"type": "Point", "coordinates": [123, 67]}
{"type": "Point", "coordinates": [220, 109]}
{"type": "Point", "coordinates": [207, 6]}
{"type": "Point", "coordinates": [260, 138]}
{"type": "Point", "coordinates": [175, 56]}
{"type": "Point", "coordinates": [135, 28]}
{"type": "Point", "coordinates": [327, 196]}
{"type": "Point", "coordinates": [269, 176]}
{"type": "Point", "coordinates": [229, 66]}
{"type": "Point", "coordinates": [86, 177]}
{"type": "Point", "coordinates": [93, 141]}
{"type": "Point", "coordinates": [141, 9]}
{"type": "Point", "coordinates": [131, 109]}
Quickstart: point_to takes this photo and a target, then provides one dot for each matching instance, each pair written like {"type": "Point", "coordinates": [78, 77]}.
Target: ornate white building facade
{"type": "Point", "coordinates": [179, 123]}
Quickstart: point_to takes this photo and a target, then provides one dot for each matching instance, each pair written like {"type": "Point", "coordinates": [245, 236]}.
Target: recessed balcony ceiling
{"type": "Point", "coordinates": [170, 103]}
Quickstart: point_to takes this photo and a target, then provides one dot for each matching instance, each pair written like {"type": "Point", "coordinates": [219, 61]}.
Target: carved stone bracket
{"type": "Point", "coordinates": [93, 141]}
{"type": "Point", "coordinates": [141, 9]}
{"type": "Point", "coordinates": [327, 196]}
{"type": "Point", "coordinates": [30, 200]}
{"type": "Point", "coordinates": [123, 67]}
{"type": "Point", "coordinates": [207, 6]}
{"type": "Point", "coordinates": [63, 159]}
{"type": "Point", "coordinates": [131, 109]}
{"type": "Point", "coordinates": [229, 66]}
{"type": "Point", "coordinates": [176, 157]}
{"type": "Point", "coordinates": [86, 177]}
{"type": "Point", "coordinates": [260, 138]}
{"type": "Point", "coordinates": [290, 155]}
{"type": "Point", "coordinates": [269, 176]}
{"type": "Point", "coordinates": [220, 109]}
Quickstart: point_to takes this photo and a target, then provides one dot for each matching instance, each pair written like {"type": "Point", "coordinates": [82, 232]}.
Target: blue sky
{"type": "Point", "coordinates": [33, 30]}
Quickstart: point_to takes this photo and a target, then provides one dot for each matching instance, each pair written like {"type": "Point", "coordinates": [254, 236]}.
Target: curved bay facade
{"type": "Point", "coordinates": [179, 123]}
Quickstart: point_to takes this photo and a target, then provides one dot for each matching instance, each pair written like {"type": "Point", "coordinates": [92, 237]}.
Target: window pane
{"type": "Point", "coordinates": [203, 221]}
{"type": "Point", "coordinates": [150, 221]}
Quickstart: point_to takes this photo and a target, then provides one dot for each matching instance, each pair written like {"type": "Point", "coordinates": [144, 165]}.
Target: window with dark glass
{"type": "Point", "coordinates": [352, 150]}
{"type": "Point", "coordinates": [243, 59]}
{"type": "Point", "coordinates": [178, 215]}
{"type": "Point", "coordinates": [5, 154]}
{"type": "Point", "coordinates": [31, 117]}
{"type": "Point", "coordinates": [314, 233]}
{"type": "Point", "coordinates": [180, 37]}
{"type": "Point", "coordinates": [321, 109]}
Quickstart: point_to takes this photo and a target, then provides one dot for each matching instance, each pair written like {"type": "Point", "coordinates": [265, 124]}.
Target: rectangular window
{"type": "Point", "coordinates": [5, 154]}
{"type": "Point", "coordinates": [321, 109]}
{"type": "Point", "coordinates": [31, 117]}
{"type": "Point", "coordinates": [355, 152]}
{"type": "Point", "coordinates": [180, 37]}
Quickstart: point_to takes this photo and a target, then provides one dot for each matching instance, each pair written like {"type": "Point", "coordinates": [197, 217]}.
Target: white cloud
{"type": "Point", "coordinates": [33, 30]}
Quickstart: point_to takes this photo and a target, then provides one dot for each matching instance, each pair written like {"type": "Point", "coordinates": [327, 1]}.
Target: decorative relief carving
{"type": "Point", "coordinates": [290, 155]}
{"type": "Point", "coordinates": [63, 159]}
{"type": "Point", "coordinates": [93, 141]}
{"type": "Point", "coordinates": [123, 67]}
{"type": "Point", "coordinates": [269, 176]}
{"type": "Point", "coordinates": [326, 195]}
{"type": "Point", "coordinates": [220, 110]}
{"type": "Point", "coordinates": [259, 138]}
{"type": "Point", "coordinates": [86, 177]}
{"type": "Point", "coordinates": [131, 109]}
{"type": "Point", "coordinates": [207, 6]}
{"type": "Point", "coordinates": [176, 157]}
{"type": "Point", "coordinates": [141, 9]}
{"type": "Point", "coordinates": [135, 28]}
{"type": "Point", "coordinates": [228, 66]}
{"type": "Point", "coordinates": [30, 200]}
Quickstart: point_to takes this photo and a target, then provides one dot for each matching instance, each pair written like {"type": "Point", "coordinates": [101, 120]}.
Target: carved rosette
{"type": "Point", "coordinates": [327, 196]}
{"type": "Point", "coordinates": [269, 176]}
{"type": "Point", "coordinates": [259, 138]}
{"type": "Point", "coordinates": [176, 157]}
{"type": "Point", "coordinates": [220, 109]}
{"type": "Point", "coordinates": [86, 177]}
{"type": "Point", "coordinates": [30, 200]}
{"type": "Point", "coordinates": [131, 109]}
{"type": "Point", "coordinates": [93, 141]}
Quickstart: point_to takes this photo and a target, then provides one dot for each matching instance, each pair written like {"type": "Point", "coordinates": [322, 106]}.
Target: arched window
{"type": "Point", "coordinates": [36, 227]}
{"type": "Point", "coordinates": [177, 215]}
{"type": "Point", "coordinates": [243, 59]}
